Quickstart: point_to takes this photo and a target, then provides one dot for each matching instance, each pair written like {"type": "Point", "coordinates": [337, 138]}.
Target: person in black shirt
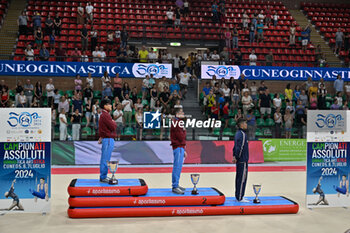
{"type": "Point", "coordinates": [164, 98]}
{"type": "Point", "coordinates": [84, 38]}
{"type": "Point", "coordinates": [238, 58]}
{"type": "Point", "coordinates": [3, 85]}
{"type": "Point", "coordinates": [265, 102]}
{"type": "Point", "coordinates": [88, 93]}
{"type": "Point", "coordinates": [76, 119]}
{"type": "Point", "coordinates": [57, 24]}
{"type": "Point", "coordinates": [262, 87]}
{"type": "Point", "coordinates": [242, 81]}
{"type": "Point", "coordinates": [38, 93]}
{"type": "Point", "coordinates": [19, 89]}
{"type": "Point", "coordinates": [124, 36]}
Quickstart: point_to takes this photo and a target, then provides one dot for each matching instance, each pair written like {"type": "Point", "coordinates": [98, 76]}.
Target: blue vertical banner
{"type": "Point", "coordinates": [328, 172]}
{"type": "Point", "coordinates": [25, 160]}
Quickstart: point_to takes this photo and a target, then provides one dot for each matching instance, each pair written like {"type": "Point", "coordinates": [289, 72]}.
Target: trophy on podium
{"type": "Point", "coordinates": [113, 167]}
{"type": "Point", "coordinates": [257, 189]}
{"type": "Point", "coordinates": [195, 179]}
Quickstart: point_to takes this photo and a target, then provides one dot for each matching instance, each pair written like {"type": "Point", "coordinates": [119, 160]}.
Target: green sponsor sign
{"type": "Point", "coordinates": [284, 149]}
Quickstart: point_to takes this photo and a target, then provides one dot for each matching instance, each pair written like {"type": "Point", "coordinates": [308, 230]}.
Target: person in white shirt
{"type": "Point", "coordinates": [176, 64]}
{"type": "Point", "coordinates": [184, 78]}
{"type": "Point", "coordinates": [277, 101]}
{"type": "Point", "coordinates": [127, 106]}
{"type": "Point", "coordinates": [117, 34]}
{"type": "Point", "coordinates": [29, 52]}
{"type": "Point", "coordinates": [50, 92]}
{"type": "Point", "coordinates": [152, 56]}
{"type": "Point", "coordinates": [90, 80]}
{"type": "Point", "coordinates": [215, 56]}
{"type": "Point", "coordinates": [95, 53]}
{"type": "Point", "coordinates": [101, 55]}
{"type": "Point", "coordinates": [84, 57]}
{"type": "Point", "coordinates": [89, 11]}
{"type": "Point", "coordinates": [119, 119]}
{"type": "Point", "coordinates": [170, 16]}
{"type": "Point", "coordinates": [169, 56]}
{"type": "Point", "coordinates": [63, 125]}
{"type": "Point", "coordinates": [261, 16]}
{"type": "Point", "coordinates": [253, 58]}
{"type": "Point", "coordinates": [105, 80]}
{"type": "Point", "coordinates": [145, 87]}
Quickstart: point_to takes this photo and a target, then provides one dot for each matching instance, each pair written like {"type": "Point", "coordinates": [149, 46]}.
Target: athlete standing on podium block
{"type": "Point", "coordinates": [178, 142]}
{"type": "Point", "coordinates": [241, 157]}
{"type": "Point", "coordinates": [107, 130]}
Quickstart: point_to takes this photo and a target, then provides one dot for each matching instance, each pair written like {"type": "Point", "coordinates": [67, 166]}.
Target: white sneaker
{"type": "Point", "coordinates": [244, 200]}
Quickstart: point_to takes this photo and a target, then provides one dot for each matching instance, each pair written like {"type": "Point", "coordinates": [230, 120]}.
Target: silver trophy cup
{"type": "Point", "coordinates": [195, 179]}
{"type": "Point", "coordinates": [257, 189]}
{"type": "Point", "coordinates": [113, 167]}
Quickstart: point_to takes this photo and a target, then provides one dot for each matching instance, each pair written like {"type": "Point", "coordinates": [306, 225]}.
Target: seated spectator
{"type": "Point", "coordinates": [322, 92]}
{"type": "Point", "coordinates": [277, 116]}
{"type": "Point", "coordinates": [84, 57]}
{"type": "Point", "coordinates": [29, 52]}
{"type": "Point", "coordinates": [335, 105]}
{"type": "Point", "coordinates": [127, 105]}
{"type": "Point", "coordinates": [345, 105]}
{"type": "Point", "coordinates": [224, 55]}
{"type": "Point", "coordinates": [339, 98]}
{"type": "Point", "coordinates": [215, 56]}
{"type": "Point", "coordinates": [44, 54]}
{"type": "Point", "coordinates": [76, 124]}
{"type": "Point", "coordinates": [38, 36]}
{"type": "Point", "coordinates": [247, 102]}
{"type": "Point", "coordinates": [60, 53]}
{"type": "Point", "coordinates": [107, 92]}
{"type": "Point", "coordinates": [162, 84]}
{"type": "Point", "coordinates": [288, 92]}
{"type": "Point", "coordinates": [288, 122]}
{"type": "Point", "coordinates": [265, 102]}
{"type": "Point", "coordinates": [78, 83]}
{"type": "Point", "coordinates": [174, 97]}
{"type": "Point", "coordinates": [119, 119]}
{"type": "Point", "coordinates": [252, 58]}
{"type": "Point", "coordinates": [76, 55]}
{"type": "Point", "coordinates": [269, 59]}
{"type": "Point", "coordinates": [277, 101]}
{"type": "Point", "coordinates": [77, 103]}
{"type": "Point", "coordinates": [100, 55]}
{"type": "Point", "coordinates": [4, 98]}
{"type": "Point", "coordinates": [22, 100]}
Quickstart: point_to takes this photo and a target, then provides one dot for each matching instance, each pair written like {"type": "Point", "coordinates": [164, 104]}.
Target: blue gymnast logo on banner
{"type": "Point", "coordinates": [147, 69]}
{"type": "Point", "coordinates": [329, 121]}
{"type": "Point", "coordinates": [25, 119]}
{"type": "Point", "coordinates": [151, 120]}
{"type": "Point", "coordinates": [222, 71]}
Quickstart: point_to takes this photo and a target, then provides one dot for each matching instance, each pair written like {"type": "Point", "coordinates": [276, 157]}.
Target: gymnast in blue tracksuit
{"type": "Point", "coordinates": [241, 157]}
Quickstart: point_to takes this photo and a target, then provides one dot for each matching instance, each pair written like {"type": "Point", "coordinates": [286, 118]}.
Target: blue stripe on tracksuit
{"type": "Point", "coordinates": [177, 167]}
{"type": "Point", "coordinates": [107, 148]}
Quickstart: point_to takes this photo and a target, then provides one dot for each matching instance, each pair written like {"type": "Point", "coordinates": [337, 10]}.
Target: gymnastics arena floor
{"type": "Point", "coordinates": [282, 179]}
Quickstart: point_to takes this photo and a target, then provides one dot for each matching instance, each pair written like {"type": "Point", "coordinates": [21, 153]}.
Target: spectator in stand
{"type": "Point", "coordinates": [52, 40]}
{"type": "Point", "coordinates": [189, 62]}
{"type": "Point", "coordinates": [245, 20]}
{"type": "Point", "coordinates": [346, 41]}
{"type": "Point", "coordinates": [138, 104]}
{"type": "Point", "coordinates": [170, 17]}
{"type": "Point", "coordinates": [252, 58]}
{"type": "Point", "coordinates": [117, 85]}
{"type": "Point", "coordinates": [60, 53]}
{"type": "Point", "coordinates": [152, 56]}
{"type": "Point", "coordinates": [154, 95]}
{"type": "Point", "coordinates": [29, 52]}
{"type": "Point", "coordinates": [84, 38]}
{"type": "Point", "coordinates": [308, 84]}
{"type": "Point", "coordinates": [239, 115]}
{"type": "Point", "coordinates": [235, 96]}
{"type": "Point", "coordinates": [260, 31]}
{"type": "Point", "coordinates": [268, 16]}
{"type": "Point", "coordinates": [77, 103]}
{"type": "Point", "coordinates": [347, 91]}
{"type": "Point", "coordinates": [50, 92]}
{"type": "Point", "coordinates": [322, 92]}
{"type": "Point", "coordinates": [184, 78]}
{"type": "Point", "coordinates": [288, 121]}
{"type": "Point", "coordinates": [126, 90]}
{"type": "Point", "coordinates": [56, 99]}
{"type": "Point", "coordinates": [277, 101]}
{"type": "Point", "coordinates": [44, 54]}
{"type": "Point", "coordinates": [89, 9]}
{"type": "Point", "coordinates": [36, 20]}
{"type": "Point", "coordinates": [176, 64]}
{"type": "Point", "coordinates": [247, 102]}
{"type": "Point", "coordinates": [28, 92]}
{"type": "Point", "coordinates": [221, 12]}
{"type": "Point", "coordinates": [296, 93]}
{"type": "Point", "coordinates": [238, 58]}
{"type": "Point", "coordinates": [107, 92]}
{"type": "Point", "coordinates": [38, 36]}
{"type": "Point", "coordinates": [78, 83]}
{"type": "Point", "coordinates": [226, 92]}
{"type": "Point", "coordinates": [95, 55]}
{"type": "Point", "coordinates": [177, 17]}
{"type": "Point", "coordinates": [251, 32]}
{"type": "Point", "coordinates": [63, 124]}
{"type": "Point", "coordinates": [235, 36]}
{"type": "Point", "coordinates": [228, 37]}
{"type": "Point", "coordinates": [288, 92]}
{"type": "Point", "coordinates": [75, 55]}
{"type": "Point", "coordinates": [313, 101]}
{"type": "Point", "coordinates": [318, 52]}
{"type": "Point", "coordinates": [269, 59]}
{"type": "Point", "coordinates": [76, 121]}
{"type": "Point", "coordinates": [101, 55]}
{"type": "Point", "coordinates": [163, 83]}
{"type": "Point", "coordinates": [22, 100]}
{"type": "Point", "coordinates": [38, 93]}
{"type": "Point", "coordinates": [214, 10]}
{"type": "Point", "coordinates": [139, 123]}
{"type": "Point", "coordinates": [338, 84]}
{"type": "Point", "coordinates": [105, 79]}
{"type": "Point", "coordinates": [261, 16]}
{"type": "Point", "coordinates": [345, 105]}
{"type": "Point", "coordinates": [323, 61]}
{"type": "Point", "coordinates": [64, 104]}
{"type": "Point", "coordinates": [251, 122]}
{"type": "Point", "coordinates": [292, 31]}
{"type": "Point", "coordinates": [275, 19]}
{"type": "Point", "coordinates": [4, 98]}
{"type": "Point", "coordinates": [110, 40]}
{"type": "Point", "coordinates": [186, 8]}
{"type": "Point", "coordinates": [339, 39]}
{"type": "Point", "coordinates": [93, 39]}
{"type": "Point", "coordinates": [303, 98]}
{"type": "Point", "coordinates": [57, 24]}
{"type": "Point", "coordinates": [254, 20]}
{"type": "Point", "coordinates": [215, 111]}
{"type": "Point", "coordinates": [277, 116]}
{"type": "Point", "coordinates": [225, 56]}
{"type": "Point", "coordinates": [119, 119]}
{"type": "Point", "coordinates": [265, 102]}
{"type": "Point", "coordinates": [165, 99]}
{"type": "Point", "coordinates": [124, 36]}
{"type": "Point", "coordinates": [143, 54]}
{"type": "Point", "coordinates": [206, 89]}
{"type": "Point", "coordinates": [22, 23]}
{"type": "Point", "coordinates": [84, 57]}
{"type": "Point", "coordinates": [49, 25]}
{"type": "Point", "coordinates": [304, 38]}
{"type": "Point", "coordinates": [215, 56]}
{"type": "Point", "coordinates": [116, 101]}
{"type": "Point", "coordinates": [145, 87]}
{"type": "Point", "coordinates": [174, 86]}
{"type": "Point", "coordinates": [245, 88]}
{"type": "Point", "coordinates": [127, 105]}
{"type": "Point", "coordinates": [313, 89]}
{"type": "Point", "coordinates": [80, 14]}
{"type": "Point", "coordinates": [335, 105]}
{"type": "Point", "coordinates": [339, 98]}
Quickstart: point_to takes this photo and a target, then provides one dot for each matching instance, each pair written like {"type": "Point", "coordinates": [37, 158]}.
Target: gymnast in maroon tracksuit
{"type": "Point", "coordinates": [178, 142]}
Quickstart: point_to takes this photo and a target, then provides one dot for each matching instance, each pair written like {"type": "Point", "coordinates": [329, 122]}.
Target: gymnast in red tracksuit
{"type": "Point", "coordinates": [178, 142]}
